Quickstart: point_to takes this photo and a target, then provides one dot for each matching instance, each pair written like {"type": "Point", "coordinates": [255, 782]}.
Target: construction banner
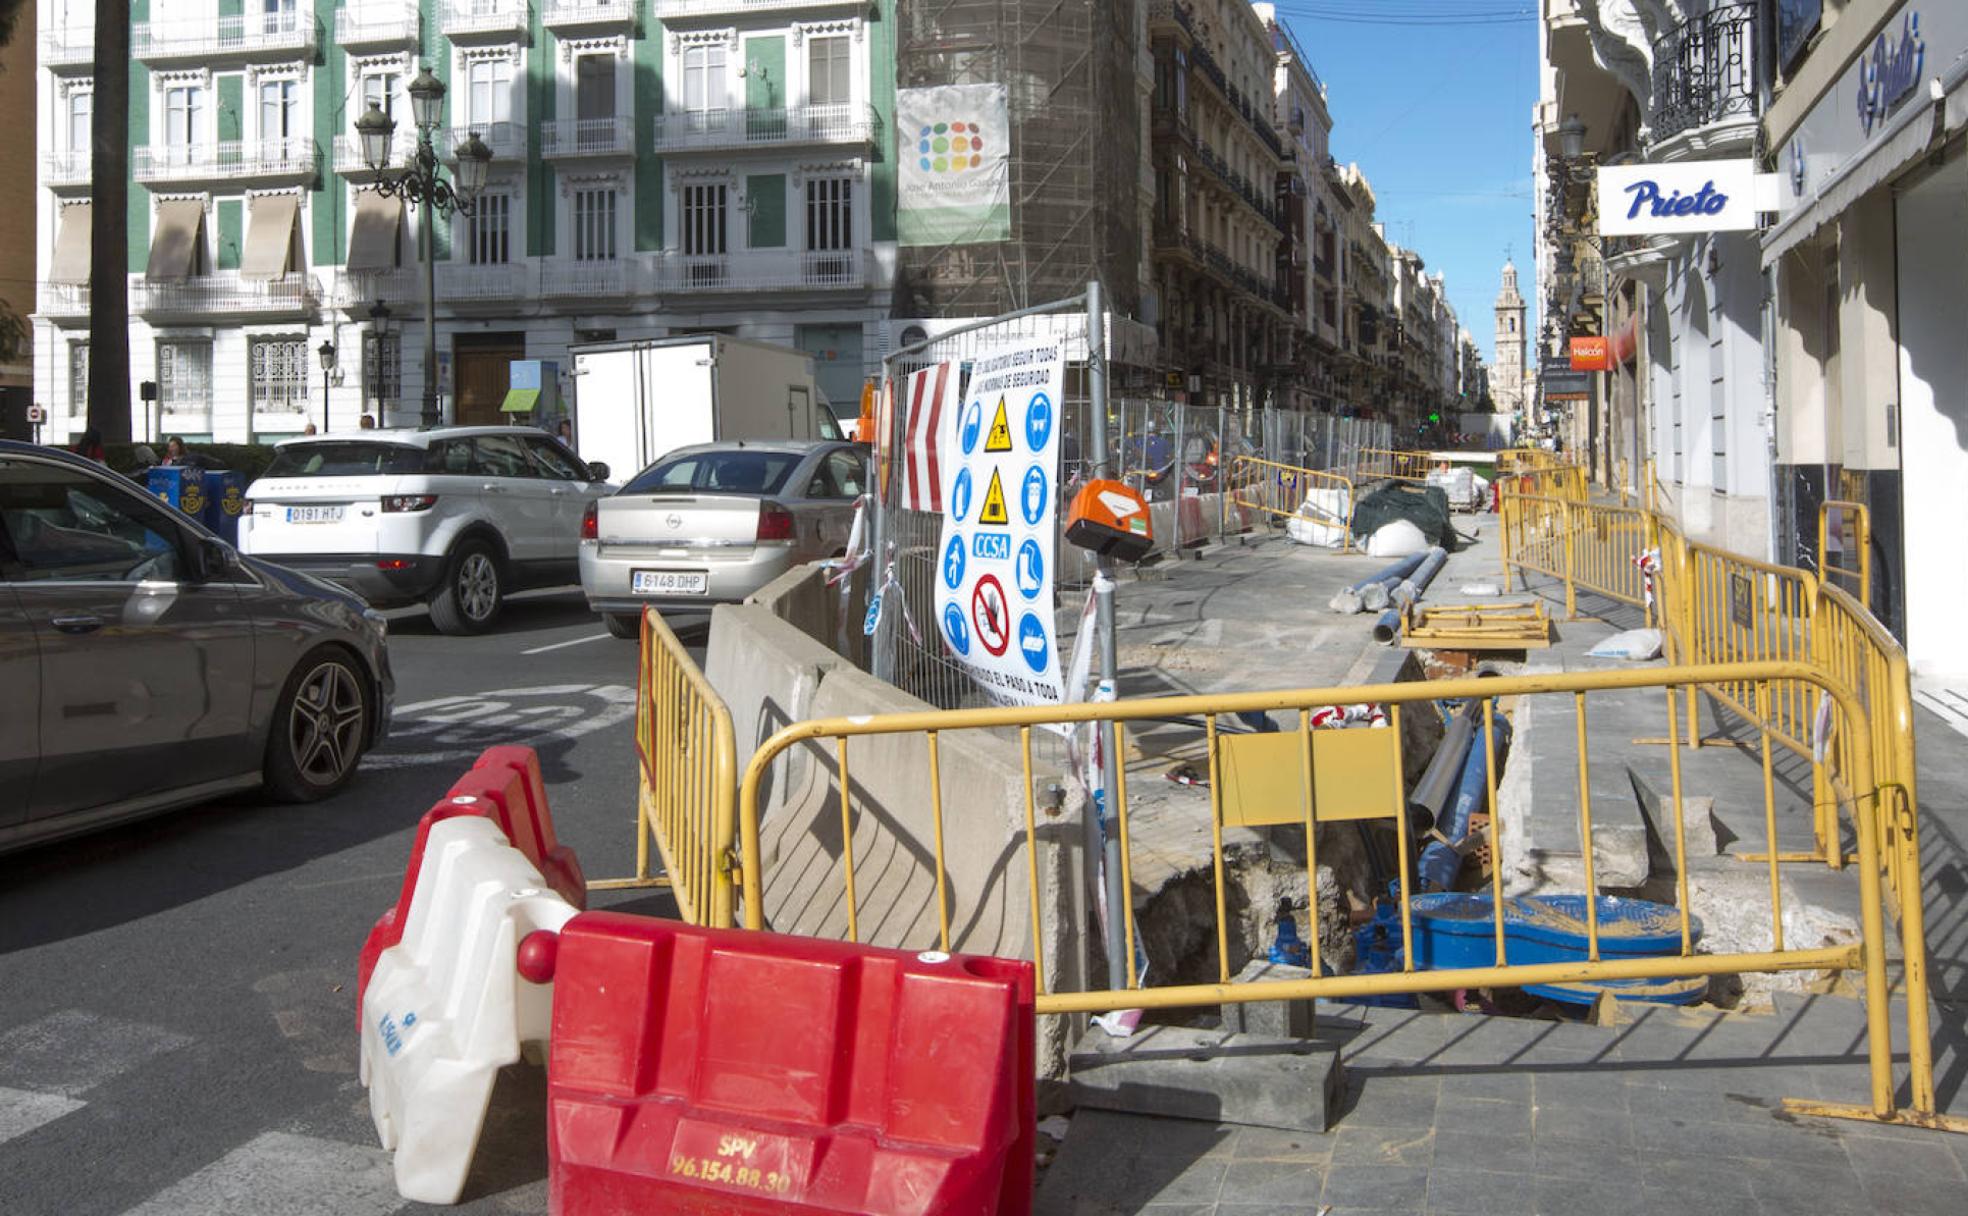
{"type": "Point", "coordinates": [953, 176]}
{"type": "Point", "coordinates": [994, 581]}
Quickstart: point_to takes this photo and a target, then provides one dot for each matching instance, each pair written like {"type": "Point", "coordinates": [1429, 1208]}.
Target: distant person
{"type": "Point", "coordinates": [566, 431]}
{"type": "Point", "coordinates": [309, 430]}
{"type": "Point", "coordinates": [368, 422]}
{"type": "Point", "coordinates": [90, 446]}
{"type": "Point", "coordinates": [174, 452]}
{"type": "Point", "coordinates": [144, 455]}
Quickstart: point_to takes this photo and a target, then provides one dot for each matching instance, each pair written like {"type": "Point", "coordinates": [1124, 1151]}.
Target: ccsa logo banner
{"type": "Point", "coordinates": [950, 147]}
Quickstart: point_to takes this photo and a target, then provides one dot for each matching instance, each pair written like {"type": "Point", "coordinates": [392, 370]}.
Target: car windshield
{"type": "Point", "coordinates": [351, 459]}
{"type": "Point", "coordinates": [726, 471]}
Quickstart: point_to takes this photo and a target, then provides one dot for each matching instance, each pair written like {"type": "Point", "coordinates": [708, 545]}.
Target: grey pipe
{"type": "Point", "coordinates": [1438, 781]}
{"type": "Point", "coordinates": [1388, 627]}
{"type": "Point", "coordinates": [1354, 598]}
{"type": "Point", "coordinates": [1413, 587]}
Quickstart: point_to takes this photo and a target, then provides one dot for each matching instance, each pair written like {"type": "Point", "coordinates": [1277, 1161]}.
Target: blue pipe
{"type": "Point", "coordinates": [1413, 587]}
{"type": "Point", "coordinates": [1399, 570]}
{"type": "Point", "coordinates": [1440, 863]}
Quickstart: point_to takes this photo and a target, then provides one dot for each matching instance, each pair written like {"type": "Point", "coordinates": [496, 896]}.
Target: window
{"type": "Point", "coordinates": [66, 525]}
{"type": "Point", "coordinates": [502, 456]}
{"type": "Point", "coordinates": [830, 213]}
{"type": "Point", "coordinates": [382, 368]}
{"type": "Point", "coordinates": [555, 459]}
{"type": "Point", "coordinates": [594, 88]}
{"type": "Point", "coordinates": [489, 92]}
{"type": "Point", "coordinates": [703, 79]}
{"type": "Point", "coordinates": [78, 376]}
{"type": "Point", "coordinates": [840, 475]}
{"type": "Point", "coordinates": [280, 113]}
{"type": "Point", "coordinates": [703, 219]}
{"type": "Point", "coordinates": [346, 458]}
{"type": "Point", "coordinates": [184, 377]}
{"type": "Point", "coordinates": [738, 472]}
{"type": "Point", "coordinates": [277, 369]}
{"type": "Point", "coordinates": [491, 230]}
{"type": "Point", "coordinates": [594, 225]}
{"type": "Point", "coordinates": [81, 109]}
{"type": "Point", "coordinates": [828, 79]}
{"type": "Point", "coordinates": [379, 89]}
{"type": "Point", "coordinates": [278, 17]}
{"type": "Point", "coordinates": [184, 120]}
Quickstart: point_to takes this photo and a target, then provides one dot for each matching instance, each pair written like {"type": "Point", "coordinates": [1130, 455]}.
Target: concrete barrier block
{"type": "Point", "coordinates": [1271, 1019]}
{"type": "Point", "coordinates": [1212, 1075]}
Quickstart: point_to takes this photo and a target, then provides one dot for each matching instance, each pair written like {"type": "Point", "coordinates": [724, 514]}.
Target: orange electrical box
{"type": "Point", "coordinates": [1111, 517]}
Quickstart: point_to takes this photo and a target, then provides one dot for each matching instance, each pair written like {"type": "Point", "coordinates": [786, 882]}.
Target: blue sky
{"type": "Point", "coordinates": [1438, 116]}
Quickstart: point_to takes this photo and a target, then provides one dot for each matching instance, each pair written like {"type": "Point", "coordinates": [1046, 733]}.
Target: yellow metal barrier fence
{"type": "Point", "coordinates": [685, 804]}
{"type": "Point", "coordinates": [1861, 540]}
{"type": "Point", "coordinates": [1391, 464]}
{"type": "Point", "coordinates": [1281, 489]}
{"type": "Point", "coordinates": [1300, 759]}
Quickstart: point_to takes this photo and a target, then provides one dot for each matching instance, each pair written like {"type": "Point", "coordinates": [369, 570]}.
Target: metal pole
{"type": "Point", "coordinates": [1223, 459]}
{"type": "Point", "coordinates": [325, 427]}
{"type": "Point", "coordinates": [1118, 964]}
{"type": "Point", "coordinates": [882, 655]}
{"type": "Point", "coordinates": [1181, 459]}
{"type": "Point", "coordinates": [427, 245]}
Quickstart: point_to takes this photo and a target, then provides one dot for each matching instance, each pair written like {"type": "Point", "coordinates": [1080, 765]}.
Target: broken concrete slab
{"type": "Point", "coordinates": [1214, 1076]}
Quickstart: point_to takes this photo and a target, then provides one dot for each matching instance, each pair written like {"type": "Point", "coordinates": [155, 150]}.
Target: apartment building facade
{"type": "Point", "coordinates": [658, 166]}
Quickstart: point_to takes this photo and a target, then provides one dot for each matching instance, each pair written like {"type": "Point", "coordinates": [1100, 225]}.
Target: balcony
{"type": "Point", "coordinates": [224, 294]}
{"type": "Point", "coordinates": [506, 139]}
{"type": "Point", "coordinates": [593, 15]}
{"type": "Point", "coordinates": [565, 279]}
{"type": "Point", "coordinates": [774, 270]}
{"type": "Point", "coordinates": [378, 24]}
{"type": "Point", "coordinates": [720, 130]}
{"type": "Point", "coordinates": [569, 138]}
{"type": "Point", "coordinates": [1165, 13]}
{"type": "Point", "coordinates": [463, 286]}
{"type": "Point", "coordinates": [247, 36]}
{"type": "Point", "coordinates": [68, 47]}
{"type": "Point", "coordinates": [355, 292]}
{"type": "Point", "coordinates": [267, 160]}
{"type": "Point", "coordinates": [486, 20]}
{"type": "Point", "coordinates": [65, 170]}
{"type": "Point", "coordinates": [668, 10]}
{"type": "Point", "coordinates": [1705, 74]}
{"type": "Point", "coordinates": [63, 303]}
{"type": "Point", "coordinates": [348, 155]}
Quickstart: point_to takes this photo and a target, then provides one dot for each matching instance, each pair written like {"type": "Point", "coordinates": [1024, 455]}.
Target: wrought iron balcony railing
{"type": "Point", "coordinates": [1705, 71]}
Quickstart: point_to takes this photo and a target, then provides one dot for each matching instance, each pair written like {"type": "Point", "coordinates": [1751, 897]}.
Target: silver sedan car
{"type": "Point", "coordinates": [715, 522]}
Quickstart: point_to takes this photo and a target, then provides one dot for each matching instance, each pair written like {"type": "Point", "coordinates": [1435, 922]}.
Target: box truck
{"type": "Point", "coordinates": [636, 401]}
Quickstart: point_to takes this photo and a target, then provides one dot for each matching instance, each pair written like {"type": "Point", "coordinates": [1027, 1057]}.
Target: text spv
{"type": "Point", "coordinates": [1706, 201]}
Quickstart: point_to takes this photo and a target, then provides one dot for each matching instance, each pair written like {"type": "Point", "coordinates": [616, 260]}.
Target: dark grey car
{"type": "Point", "coordinates": [144, 664]}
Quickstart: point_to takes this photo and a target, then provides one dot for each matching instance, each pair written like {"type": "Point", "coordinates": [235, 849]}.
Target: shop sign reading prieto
{"type": "Point", "coordinates": [994, 585]}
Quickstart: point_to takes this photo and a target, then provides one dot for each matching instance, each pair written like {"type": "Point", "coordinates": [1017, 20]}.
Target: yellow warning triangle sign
{"type": "Point", "coordinates": [999, 439]}
{"type": "Point", "coordinates": [994, 504]}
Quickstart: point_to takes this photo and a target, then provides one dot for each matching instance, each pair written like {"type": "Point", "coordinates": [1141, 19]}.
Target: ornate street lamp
{"type": "Point", "coordinates": [419, 184]}
{"type": "Point", "coordinates": [1571, 137]}
{"type": "Point", "coordinates": [327, 352]}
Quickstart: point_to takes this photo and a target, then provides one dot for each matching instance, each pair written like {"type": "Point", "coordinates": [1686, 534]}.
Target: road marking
{"type": "Point", "coordinates": [277, 1172]}
{"type": "Point", "coordinates": [576, 642]}
{"type": "Point", "coordinates": [73, 1051]}
{"type": "Point", "coordinates": [458, 728]}
{"type": "Point", "coordinates": [22, 1110]}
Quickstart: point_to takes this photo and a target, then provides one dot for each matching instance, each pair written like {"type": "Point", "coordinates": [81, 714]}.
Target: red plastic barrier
{"type": "Point", "coordinates": [716, 1071]}
{"type": "Point", "coordinates": [1189, 521]}
{"type": "Point", "coordinates": [504, 786]}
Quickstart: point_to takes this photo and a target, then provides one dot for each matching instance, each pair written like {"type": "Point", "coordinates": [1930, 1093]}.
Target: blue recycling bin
{"type": "Point", "coordinates": [225, 495]}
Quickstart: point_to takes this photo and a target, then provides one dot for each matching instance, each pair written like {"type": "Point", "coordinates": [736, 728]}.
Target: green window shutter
{"type": "Point", "coordinates": [765, 73]}
{"type": "Point", "coordinates": [648, 166]}
{"type": "Point", "coordinates": [226, 256]}
{"type": "Point", "coordinates": [766, 192]}
{"type": "Point", "coordinates": [232, 8]}
{"type": "Point", "coordinates": [231, 99]}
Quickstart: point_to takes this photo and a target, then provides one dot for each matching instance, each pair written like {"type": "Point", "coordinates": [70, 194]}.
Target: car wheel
{"type": "Point", "coordinates": [469, 598]}
{"type": "Point", "coordinates": [318, 729]}
{"type": "Point", "coordinates": [623, 624]}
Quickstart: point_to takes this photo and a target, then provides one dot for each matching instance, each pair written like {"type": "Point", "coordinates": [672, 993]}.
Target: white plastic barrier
{"type": "Point", "coordinates": [447, 1008]}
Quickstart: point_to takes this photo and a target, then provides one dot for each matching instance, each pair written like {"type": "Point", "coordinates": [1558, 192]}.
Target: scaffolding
{"type": "Point", "coordinates": [1068, 67]}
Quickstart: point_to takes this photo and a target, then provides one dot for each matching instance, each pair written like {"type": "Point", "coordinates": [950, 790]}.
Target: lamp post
{"type": "Point", "coordinates": [418, 184]}
{"type": "Point", "coordinates": [327, 352]}
{"type": "Point", "coordinates": [373, 363]}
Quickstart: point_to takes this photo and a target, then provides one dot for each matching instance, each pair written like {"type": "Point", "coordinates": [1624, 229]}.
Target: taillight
{"type": "Point", "coordinates": [409, 502]}
{"type": "Point", "coordinates": [591, 523]}
{"type": "Point", "coordinates": [775, 522]}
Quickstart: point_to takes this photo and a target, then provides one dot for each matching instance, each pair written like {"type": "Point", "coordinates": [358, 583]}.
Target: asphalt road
{"type": "Point", "coordinates": [177, 1013]}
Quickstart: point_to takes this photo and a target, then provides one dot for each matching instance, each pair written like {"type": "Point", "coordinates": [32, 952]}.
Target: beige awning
{"type": "Point", "coordinates": [174, 241]}
{"type": "Point", "coordinates": [269, 236]}
{"type": "Point", "coordinates": [70, 263]}
{"type": "Point", "coordinates": [376, 235]}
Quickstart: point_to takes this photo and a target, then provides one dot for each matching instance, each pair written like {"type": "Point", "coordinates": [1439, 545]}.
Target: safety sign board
{"type": "Point", "coordinates": [994, 590]}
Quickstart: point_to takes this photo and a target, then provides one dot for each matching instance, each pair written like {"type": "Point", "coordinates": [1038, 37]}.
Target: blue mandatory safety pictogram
{"type": "Point", "coordinates": [873, 618]}
{"type": "Point", "coordinates": [956, 629]}
{"type": "Point", "coordinates": [1032, 495]}
{"type": "Point", "coordinates": [960, 496]}
{"type": "Point", "coordinates": [1038, 422]}
{"type": "Point", "coordinates": [1030, 574]}
{"type": "Point", "coordinates": [973, 426]}
{"type": "Point", "coordinates": [953, 562]}
{"type": "Point", "coordinates": [1032, 642]}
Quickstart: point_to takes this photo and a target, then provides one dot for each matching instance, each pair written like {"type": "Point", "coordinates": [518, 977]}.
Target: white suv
{"type": "Point", "coordinates": [456, 517]}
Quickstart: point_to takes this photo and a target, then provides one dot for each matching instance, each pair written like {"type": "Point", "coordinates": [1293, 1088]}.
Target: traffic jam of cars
{"type": "Point", "coordinates": [135, 640]}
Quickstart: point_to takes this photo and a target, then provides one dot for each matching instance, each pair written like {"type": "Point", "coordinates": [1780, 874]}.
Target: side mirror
{"type": "Point", "coordinates": [209, 559]}
{"type": "Point", "coordinates": [598, 470]}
